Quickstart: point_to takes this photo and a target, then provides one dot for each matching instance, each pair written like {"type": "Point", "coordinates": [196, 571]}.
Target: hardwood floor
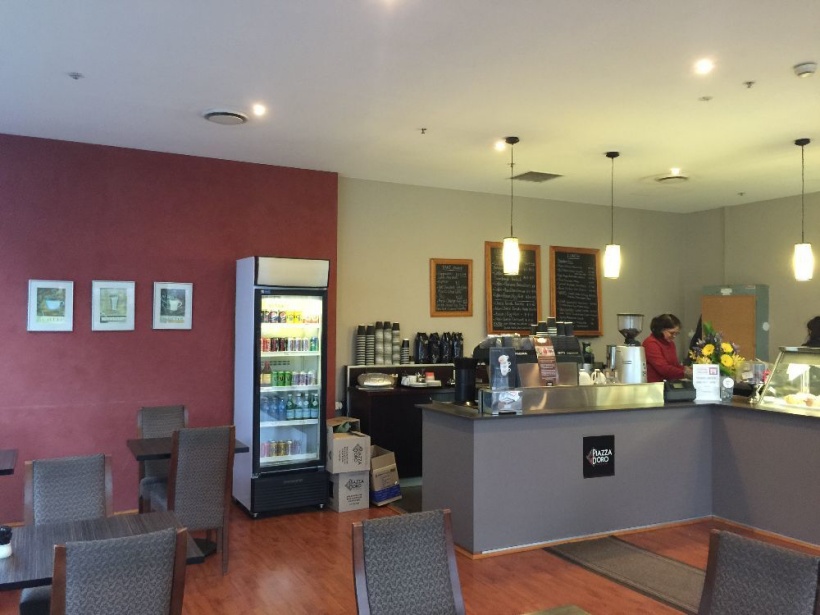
{"type": "Point", "coordinates": [301, 564]}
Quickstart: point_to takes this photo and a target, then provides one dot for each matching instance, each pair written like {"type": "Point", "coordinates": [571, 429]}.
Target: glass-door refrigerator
{"type": "Point", "coordinates": [279, 383]}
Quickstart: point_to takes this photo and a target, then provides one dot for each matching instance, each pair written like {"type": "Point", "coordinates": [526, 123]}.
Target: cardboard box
{"type": "Point", "coordinates": [348, 450]}
{"type": "Point", "coordinates": [384, 477]}
{"type": "Point", "coordinates": [348, 491]}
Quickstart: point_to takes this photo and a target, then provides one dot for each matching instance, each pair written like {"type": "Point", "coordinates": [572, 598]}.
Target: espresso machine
{"type": "Point", "coordinates": [630, 360]}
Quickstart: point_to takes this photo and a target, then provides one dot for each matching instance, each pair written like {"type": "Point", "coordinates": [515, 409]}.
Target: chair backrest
{"type": "Point", "coordinates": [748, 576]}
{"type": "Point", "coordinates": [132, 575]}
{"type": "Point", "coordinates": [406, 564]}
{"type": "Point", "coordinates": [159, 422]}
{"type": "Point", "coordinates": [201, 476]}
{"type": "Point", "coordinates": [68, 489]}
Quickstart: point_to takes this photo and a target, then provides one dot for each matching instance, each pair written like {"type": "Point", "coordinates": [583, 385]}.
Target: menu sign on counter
{"type": "Point", "coordinates": [513, 301]}
{"type": "Point", "coordinates": [451, 287]}
{"type": "Point", "coordinates": [575, 289]}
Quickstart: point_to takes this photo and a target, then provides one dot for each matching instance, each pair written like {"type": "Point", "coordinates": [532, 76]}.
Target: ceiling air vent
{"type": "Point", "coordinates": [225, 117]}
{"type": "Point", "coordinates": [536, 177]}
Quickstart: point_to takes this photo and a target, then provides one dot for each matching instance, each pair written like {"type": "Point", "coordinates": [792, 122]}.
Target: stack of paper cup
{"type": "Point", "coordinates": [379, 348]}
{"type": "Point", "coordinates": [396, 350]}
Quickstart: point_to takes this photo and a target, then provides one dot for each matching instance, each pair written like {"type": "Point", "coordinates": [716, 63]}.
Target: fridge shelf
{"type": "Point", "coordinates": [290, 353]}
{"type": "Point", "coordinates": [294, 325]}
{"type": "Point", "coordinates": [293, 387]}
{"type": "Point", "coordinates": [291, 423]}
{"type": "Point", "coordinates": [281, 458]}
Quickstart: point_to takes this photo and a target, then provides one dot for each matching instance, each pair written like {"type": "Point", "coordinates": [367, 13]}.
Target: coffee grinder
{"type": "Point", "coordinates": [630, 360]}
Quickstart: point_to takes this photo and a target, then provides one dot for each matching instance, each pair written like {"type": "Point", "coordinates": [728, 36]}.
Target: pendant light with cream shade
{"type": "Point", "coordinates": [803, 259]}
{"type": "Point", "coordinates": [510, 253]}
{"type": "Point", "coordinates": [612, 254]}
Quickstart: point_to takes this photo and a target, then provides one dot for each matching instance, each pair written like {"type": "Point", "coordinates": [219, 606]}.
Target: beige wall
{"type": "Point", "coordinates": [388, 233]}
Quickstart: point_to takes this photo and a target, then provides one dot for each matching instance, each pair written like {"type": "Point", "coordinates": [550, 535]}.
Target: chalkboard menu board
{"type": "Point", "coordinates": [451, 287]}
{"type": "Point", "coordinates": [513, 301]}
{"type": "Point", "coordinates": [575, 289]}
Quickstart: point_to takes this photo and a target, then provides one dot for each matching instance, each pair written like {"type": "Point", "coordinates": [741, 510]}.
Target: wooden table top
{"type": "Point", "coordinates": [145, 449]}
{"type": "Point", "coordinates": [8, 459]}
{"type": "Point", "coordinates": [32, 560]}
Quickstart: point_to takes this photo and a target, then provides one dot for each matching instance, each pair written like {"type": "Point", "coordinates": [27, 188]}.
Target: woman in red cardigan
{"type": "Point", "coordinates": [661, 355]}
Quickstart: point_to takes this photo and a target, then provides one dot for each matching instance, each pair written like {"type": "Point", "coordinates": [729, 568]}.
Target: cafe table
{"type": "Point", "coordinates": [147, 449]}
{"type": "Point", "coordinates": [32, 559]}
{"type": "Point", "coordinates": [8, 459]}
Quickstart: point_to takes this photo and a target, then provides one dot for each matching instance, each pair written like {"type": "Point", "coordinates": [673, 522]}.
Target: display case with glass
{"type": "Point", "coordinates": [794, 383]}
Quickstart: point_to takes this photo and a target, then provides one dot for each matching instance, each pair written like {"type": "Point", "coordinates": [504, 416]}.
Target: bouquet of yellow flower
{"type": "Point", "coordinates": [712, 349]}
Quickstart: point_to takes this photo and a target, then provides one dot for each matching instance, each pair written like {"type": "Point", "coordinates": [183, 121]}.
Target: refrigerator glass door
{"type": "Point", "coordinates": [290, 379]}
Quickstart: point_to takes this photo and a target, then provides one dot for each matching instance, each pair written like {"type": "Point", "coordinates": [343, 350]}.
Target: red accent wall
{"type": "Point", "coordinates": [71, 211]}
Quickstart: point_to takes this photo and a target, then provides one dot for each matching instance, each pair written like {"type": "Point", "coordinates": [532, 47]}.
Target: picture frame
{"type": "Point", "coordinates": [112, 305]}
{"type": "Point", "coordinates": [173, 305]}
{"type": "Point", "coordinates": [50, 305]}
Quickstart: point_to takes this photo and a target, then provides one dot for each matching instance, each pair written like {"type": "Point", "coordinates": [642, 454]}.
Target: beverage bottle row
{"type": "Point", "coordinates": [289, 344]}
{"type": "Point", "coordinates": [279, 314]}
{"type": "Point", "coordinates": [290, 408]}
{"type": "Point", "coordinates": [285, 378]}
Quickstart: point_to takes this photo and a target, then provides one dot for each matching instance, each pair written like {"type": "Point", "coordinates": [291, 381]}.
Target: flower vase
{"type": "Point", "coordinates": [727, 387]}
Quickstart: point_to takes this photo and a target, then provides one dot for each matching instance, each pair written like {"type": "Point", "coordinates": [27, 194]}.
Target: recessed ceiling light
{"type": "Point", "coordinates": [805, 69]}
{"type": "Point", "coordinates": [673, 177]}
{"type": "Point", "coordinates": [704, 66]}
{"type": "Point", "coordinates": [226, 117]}
{"type": "Point", "coordinates": [259, 110]}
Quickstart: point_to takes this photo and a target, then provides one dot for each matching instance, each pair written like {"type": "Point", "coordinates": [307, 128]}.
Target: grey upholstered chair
{"type": "Point", "coordinates": [63, 489]}
{"type": "Point", "coordinates": [749, 577]}
{"type": "Point", "coordinates": [133, 575]}
{"type": "Point", "coordinates": [199, 482]}
{"type": "Point", "coordinates": [406, 564]}
{"type": "Point", "coordinates": [157, 422]}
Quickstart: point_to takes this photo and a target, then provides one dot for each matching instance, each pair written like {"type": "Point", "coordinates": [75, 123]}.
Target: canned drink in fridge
{"type": "Point", "coordinates": [289, 447]}
{"type": "Point", "coordinates": [311, 378]}
{"type": "Point", "coordinates": [263, 449]}
{"type": "Point", "coordinates": [288, 379]}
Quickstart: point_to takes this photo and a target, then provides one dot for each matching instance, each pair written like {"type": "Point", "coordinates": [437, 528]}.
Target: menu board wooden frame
{"type": "Point", "coordinates": [457, 267]}
{"type": "Point", "coordinates": [556, 288]}
{"type": "Point", "coordinates": [530, 254]}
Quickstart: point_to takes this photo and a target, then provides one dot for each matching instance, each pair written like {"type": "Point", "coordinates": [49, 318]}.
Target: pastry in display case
{"type": "Point", "coordinates": [794, 382]}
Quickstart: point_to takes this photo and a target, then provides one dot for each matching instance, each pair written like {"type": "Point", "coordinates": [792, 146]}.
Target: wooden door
{"type": "Point", "coordinates": [734, 317]}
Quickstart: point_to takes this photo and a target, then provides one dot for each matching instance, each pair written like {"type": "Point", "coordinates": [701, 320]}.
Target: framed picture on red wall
{"type": "Point", "coordinates": [50, 305]}
{"type": "Point", "coordinates": [112, 306]}
{"type": "Point", "coordinates": [173, 305]}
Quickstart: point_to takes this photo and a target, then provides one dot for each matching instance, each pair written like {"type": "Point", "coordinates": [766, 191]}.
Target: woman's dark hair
{"type": "Point", "coordinates": [664, 321]}
{"type": "Point", "coordinates": [814, 328]}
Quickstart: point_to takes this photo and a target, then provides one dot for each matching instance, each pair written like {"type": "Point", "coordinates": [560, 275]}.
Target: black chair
{"type": "Point", "coordinates": [750, 577]}
{"type": "Point", "coordinates": [406, 564]}
{"type": "Point", "coordinates": [156, 422]}
{"type": "Point", "coordinates": [200, 482]}
{"type": "Point", "coordinates": [63, 489]}
{"type": "Point", "coordinates": [132, 575]}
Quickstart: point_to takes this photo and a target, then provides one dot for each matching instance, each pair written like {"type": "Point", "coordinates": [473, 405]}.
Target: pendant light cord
{"type": "Point", "coordinates": [802, 193]}
{"type": "Point", "coordinates": [802, 143]}
{"type": "Point", "coordinates": [512, 166]}
{"type": "Point", "coordinates": [612, 202]}
{"type": "Point", "coordinates": [612, 156]}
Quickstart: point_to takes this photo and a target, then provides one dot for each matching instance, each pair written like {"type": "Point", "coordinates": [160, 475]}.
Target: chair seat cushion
{"type": "Point", "coordinates": [36, 600]}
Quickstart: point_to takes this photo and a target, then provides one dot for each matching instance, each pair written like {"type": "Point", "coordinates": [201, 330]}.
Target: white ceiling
{"type": "Point", "coordinates": [350, 83]}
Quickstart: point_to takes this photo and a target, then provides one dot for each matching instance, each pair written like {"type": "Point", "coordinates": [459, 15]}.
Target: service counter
{"type": "Point", "coordinates": [515, 481]}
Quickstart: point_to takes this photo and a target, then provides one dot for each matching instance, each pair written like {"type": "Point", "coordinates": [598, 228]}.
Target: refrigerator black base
{"type": "Point", "coordinates": [281, 492]}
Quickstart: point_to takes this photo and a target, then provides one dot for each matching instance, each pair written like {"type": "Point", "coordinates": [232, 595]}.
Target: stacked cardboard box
{"type": "Point", "coordinates": [348, 461]}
